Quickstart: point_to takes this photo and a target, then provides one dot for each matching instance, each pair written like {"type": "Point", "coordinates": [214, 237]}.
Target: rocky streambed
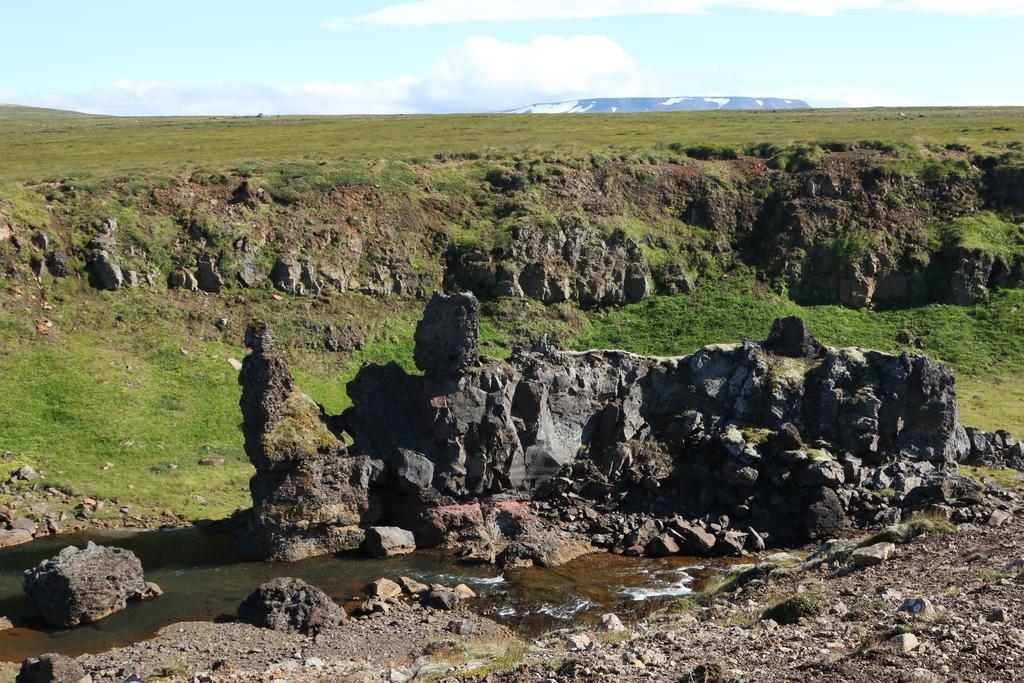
{"type": "Point", "coordinates": [203, 579]}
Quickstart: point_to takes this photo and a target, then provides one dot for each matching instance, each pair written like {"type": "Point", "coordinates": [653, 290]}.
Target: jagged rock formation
{"type": "Point", "coordinates": [309, 495]}
{"type": "Point", "coordinates": [728, 448]}
{"type": "Point", "coordinates": [84, 585]}
{"type": "Point", "coordinates": [767, 433]}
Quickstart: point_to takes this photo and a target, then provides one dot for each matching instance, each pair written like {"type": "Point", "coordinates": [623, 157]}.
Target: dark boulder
{"type": "Point", "coordinates": [52, 668]}
{"type": "Point", "coordinates": [825, 516]}
{"type": "Point", "coordinates": [208, 277]}
{"type": "Point", "coordinates": [291, 605]}
{"type": "Point", "coordinates": [442, 598]}
{"type": "Point", "coordinates": [791, 337]}
{"type": "Point", "coordinates": [84, 585]}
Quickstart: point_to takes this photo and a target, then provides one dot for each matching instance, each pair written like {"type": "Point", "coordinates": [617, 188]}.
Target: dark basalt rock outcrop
{"type": "Point", "coordinates": [727, 449]}
{"type": "Point", "coordinates": [291, 605]}
{"type": "Point", "coordinates": [84, 585]}
{"type": "Point", "coordinates": [310, 497]}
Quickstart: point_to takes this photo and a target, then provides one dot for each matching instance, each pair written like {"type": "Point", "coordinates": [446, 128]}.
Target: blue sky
{"type": "Point", "coordinates": [190, 57]}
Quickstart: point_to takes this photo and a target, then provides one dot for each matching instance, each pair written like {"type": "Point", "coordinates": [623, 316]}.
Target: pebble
{"type": "Point", "coordinates": [610, 623]}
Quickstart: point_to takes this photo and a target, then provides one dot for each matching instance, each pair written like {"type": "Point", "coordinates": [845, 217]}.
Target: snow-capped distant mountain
{"type": "Point", "coordinates": [632, 105]}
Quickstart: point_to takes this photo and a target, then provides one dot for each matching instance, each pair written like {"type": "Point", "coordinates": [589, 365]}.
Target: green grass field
{"type": "Point", "coordinates": [41, 144]}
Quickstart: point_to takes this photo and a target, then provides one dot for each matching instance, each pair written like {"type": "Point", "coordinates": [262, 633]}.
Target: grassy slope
{"type": "Point", "coordinates": [143, 382]}
{"type": "Point", "coordinates": [40, 145]}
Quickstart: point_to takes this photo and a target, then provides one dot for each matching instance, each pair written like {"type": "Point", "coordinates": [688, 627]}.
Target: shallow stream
{"type": "Point", "coordinates": [203, 579]}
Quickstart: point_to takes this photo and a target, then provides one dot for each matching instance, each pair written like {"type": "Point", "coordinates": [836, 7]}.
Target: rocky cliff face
{"type": "Point", "coordinates": [579, 266]}
{"type": "Point", "coordinates": [778, 438]}
{"type": "Point", "coordinates": [846, 227]}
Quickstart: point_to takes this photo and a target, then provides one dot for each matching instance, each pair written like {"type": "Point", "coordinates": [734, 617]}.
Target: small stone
{"type": "Point", "coordinates": [610, 623]}
{"type": "Point", "coordinates": [872, 555]}
{"type": "Point", "coordinates": [383, 589]}
{"type": "Point", "coordinates": [998, 615]}
{"type": "Point", "coordinates": [389, 541]}
{"type": "Point", "coordinates": [5, 624]}
{"type": "Point", "coordinates": [464, 592]}
{"type": "Point", "coordinates": [372, 606]}
{"type": "Point", "coordinates": [150, 591]}
{"type": "Point", "coordinates": [26, 473]}
{"type": "Point", "coordinates": [998, 518]}
{"type": "Point", "coordinates": [412, 586]}
{"type": "Point", "coordinates": [904, 642]}
{"type": "Point", "coordinates": [579, 642]}
{"type": "Point", "coordinates": [919, 607]}
{"type": "Point", "coordinates": [462, 627]}
{"type": "Point", "coordinates": [441, 598]}
{"type": "Point", "coordinates": [211, 462]}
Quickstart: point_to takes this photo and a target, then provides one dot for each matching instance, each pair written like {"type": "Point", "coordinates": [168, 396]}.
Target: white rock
{"type": "Point", "coordinates": [872, 555]}
{"type": "Point", "coordinates": [610, 623]}
{"type": "Point", "coordinates": [579, 643]}
{"type": "Point", "coordinates": [904, 642]}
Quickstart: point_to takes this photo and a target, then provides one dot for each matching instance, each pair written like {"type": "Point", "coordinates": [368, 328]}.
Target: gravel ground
{"type": "Point", "coordinates": [972, 628]}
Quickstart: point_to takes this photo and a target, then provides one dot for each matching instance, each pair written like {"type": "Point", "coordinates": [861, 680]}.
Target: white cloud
{"type": "Point", "coordinates": [480, 74]}
{"type": "Point", "coordinates": [505, 75]}
{"type": "Point", "coordinates": [424, 12]}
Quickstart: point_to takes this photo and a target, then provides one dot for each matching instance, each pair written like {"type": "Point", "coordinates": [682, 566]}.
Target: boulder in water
{"type": "Point", "coordinates": [84, 585]}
